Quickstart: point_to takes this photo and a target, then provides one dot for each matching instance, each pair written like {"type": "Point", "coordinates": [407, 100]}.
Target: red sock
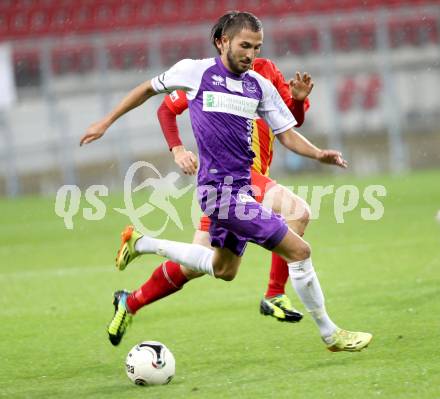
{"type": "Point", "coordinates": [279, 273]}
{"type": "Point", "coordinates": [165, 280]}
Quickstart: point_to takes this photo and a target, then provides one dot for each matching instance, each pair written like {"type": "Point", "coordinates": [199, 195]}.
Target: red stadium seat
{"type": "Point", "coordinates": [6, 5]}
{"type": "Point", "coordinates": [19, 23]}
{"type": "Point", "coordinates": [30, 18]}
{"type": "Point", "coordinates": [372, 92]}
{"type": "Point", "coordinates": [82, 19]}
{"type": "Point", "coordinates": [425, 31]}
{"type": "Point", "coordinates": [349, 37]}
{"type": "Point", "coordinates": [125, 14]}
{"type": "Point", "coordinates": [173, 50]}
{"type": "Point", "coordinates": [27, 68]}
{"type": "Point", "coordinates": [346, 94]}
{"type": "Point", "coordinates": [39, 21]}
{"type": "Point", "coordinates": [128, 56]}
{"type": "Point", "coordinates": [73, 60]}
{"type": "Point", "coordinates": [4, 22]}
{"type": "Point", "coordinates": [103, 16]}
{"type": "Point", "coordinates": [417, 31]}
{"type": "Point", "coordinates": [296, 41]}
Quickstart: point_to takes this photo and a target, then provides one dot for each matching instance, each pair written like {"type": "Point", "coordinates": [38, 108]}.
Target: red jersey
{"type": "Point", "coordinates": [262, 136]}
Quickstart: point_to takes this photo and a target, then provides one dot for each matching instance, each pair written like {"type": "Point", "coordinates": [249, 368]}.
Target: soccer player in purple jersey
{"type": "Point", "coordinates": [224, 96]}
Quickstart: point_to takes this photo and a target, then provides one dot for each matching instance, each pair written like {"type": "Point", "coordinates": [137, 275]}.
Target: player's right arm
{"type": "Point", "coordinates": [133, 99]}
{"type": "Point", "coordinates": [184, 75]}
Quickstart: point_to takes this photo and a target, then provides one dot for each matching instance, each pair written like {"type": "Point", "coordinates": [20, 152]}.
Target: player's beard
{"type": "Point", "coordinates": [234, 64]}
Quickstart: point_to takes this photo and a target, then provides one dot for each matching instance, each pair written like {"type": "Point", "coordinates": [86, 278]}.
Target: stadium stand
{"type": "Point", "coordinates": [361, 93]}
{"type": "Point", "coordinates": [296, 41]}
{"type": "Point", "coordinates": [33, 19]}
{"type": "Point", "coordinates": [351, 37]}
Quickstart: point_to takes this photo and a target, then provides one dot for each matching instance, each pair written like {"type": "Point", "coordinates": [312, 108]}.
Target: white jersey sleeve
{"type": "Point", "coordinates": [185, 75]}
{"type": "Point", "coordinates": [272, 108]}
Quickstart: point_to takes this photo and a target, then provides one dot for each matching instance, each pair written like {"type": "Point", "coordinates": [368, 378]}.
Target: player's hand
{"type": "Point", "coordinates": [94, 132]}
{"type": "Point", "coordinates": [301, 86]}
{"type": "Point", "coordinates": [332, 157]}
{"type": "Point", "coordinates": [186, 160]}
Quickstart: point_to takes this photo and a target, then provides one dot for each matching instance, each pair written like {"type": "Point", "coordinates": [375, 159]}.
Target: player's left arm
{"type": "Point", "coordinates": [274, 111]}
{"type": "Point", "coordinates": [297, 143]}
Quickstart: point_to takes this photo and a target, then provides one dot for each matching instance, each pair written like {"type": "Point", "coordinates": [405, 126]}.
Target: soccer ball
{"type": "Point", "coordinates": [150, 363]}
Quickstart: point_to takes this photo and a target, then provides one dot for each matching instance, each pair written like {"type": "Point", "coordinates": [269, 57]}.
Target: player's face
{"type": "Point", "coordinates": [239, 53]}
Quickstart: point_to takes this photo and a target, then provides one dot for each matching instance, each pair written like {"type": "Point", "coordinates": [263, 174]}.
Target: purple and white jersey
{"type": "Point", "coordinates": [222, 107]}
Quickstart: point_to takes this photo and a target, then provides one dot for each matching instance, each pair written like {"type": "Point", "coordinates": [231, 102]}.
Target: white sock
{"type": "Point", "coordinates": [306, 284]}
{"type": "Point", "coordinates": [193, 256]}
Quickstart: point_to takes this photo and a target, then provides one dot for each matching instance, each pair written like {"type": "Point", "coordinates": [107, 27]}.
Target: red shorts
{"type": "Point", "coordinates": [261, 184]}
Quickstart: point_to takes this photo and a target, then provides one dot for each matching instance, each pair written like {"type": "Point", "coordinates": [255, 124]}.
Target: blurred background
{"type": "Point", "coordinates": [64, 64]}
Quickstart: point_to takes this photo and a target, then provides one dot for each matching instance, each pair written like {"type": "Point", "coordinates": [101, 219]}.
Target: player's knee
{"type": "Point", "coordinates": [303, 251]}
{"type": "Point", "coordinates": [305, 215]}
{"type": "Point", "coordinates": [227, 276]}
{"type": "Point", "coordinates": [300, 222]}
{"type": "Point", "coordinates": [225, 273]}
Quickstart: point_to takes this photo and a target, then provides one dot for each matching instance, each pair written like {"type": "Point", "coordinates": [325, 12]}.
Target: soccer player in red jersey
{"type": "Point", "coordinates": [294, 93]}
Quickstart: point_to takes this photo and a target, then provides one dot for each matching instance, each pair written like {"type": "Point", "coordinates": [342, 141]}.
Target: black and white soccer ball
{"type": "Point", "coordinates": [150, 363]}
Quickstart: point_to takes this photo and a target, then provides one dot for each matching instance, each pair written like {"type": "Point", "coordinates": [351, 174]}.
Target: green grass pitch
{"type": "Point", "coordinates": [379, 276]}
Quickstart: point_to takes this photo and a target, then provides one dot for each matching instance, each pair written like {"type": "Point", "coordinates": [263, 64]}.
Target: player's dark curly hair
{"type": "Point", "coordinates": [233, 22]}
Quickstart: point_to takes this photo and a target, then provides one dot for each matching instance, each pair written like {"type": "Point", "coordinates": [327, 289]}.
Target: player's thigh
{"type": "Point", "coordinates": [286, 203]}
{"type": "Point", "coordinates": [225, 263]}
